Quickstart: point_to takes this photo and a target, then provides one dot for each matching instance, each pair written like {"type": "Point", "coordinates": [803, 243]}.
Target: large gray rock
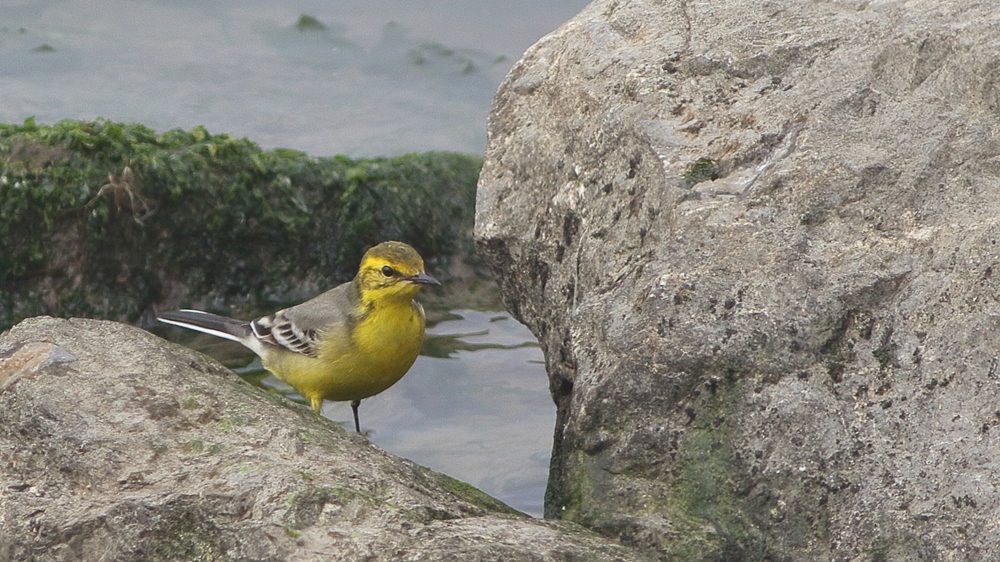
{"type": "Point", "coordinates": [115, 445]}
{"type": "Point", "coordinates": [758, 242]}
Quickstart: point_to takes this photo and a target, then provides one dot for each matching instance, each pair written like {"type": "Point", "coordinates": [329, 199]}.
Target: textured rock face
{"type": "Point", "coordinates": [115, 445]}
{"type": "Point", "coordinates": [758, 242]}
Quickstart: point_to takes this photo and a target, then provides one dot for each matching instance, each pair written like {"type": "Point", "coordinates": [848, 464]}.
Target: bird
{"type": "Point", "coordinates": [347, 344]}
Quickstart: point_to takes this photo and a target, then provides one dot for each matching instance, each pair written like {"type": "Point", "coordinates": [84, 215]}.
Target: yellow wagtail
{"type": "Point", "coordinates": [349, 343]}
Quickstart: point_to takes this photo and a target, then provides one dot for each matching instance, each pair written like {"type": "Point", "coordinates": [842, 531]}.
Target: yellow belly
{"type": "Point", "coordinates": [383, 347]}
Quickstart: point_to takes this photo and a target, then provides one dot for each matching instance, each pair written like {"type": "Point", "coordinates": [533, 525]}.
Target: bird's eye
{"type": "Point", "coordinates": [388, 271]}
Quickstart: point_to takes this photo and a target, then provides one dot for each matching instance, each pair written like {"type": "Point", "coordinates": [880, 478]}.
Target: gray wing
{"type": "Point", "coordinates": [299, 328]}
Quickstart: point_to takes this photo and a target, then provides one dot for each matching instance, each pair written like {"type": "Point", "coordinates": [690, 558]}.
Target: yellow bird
{"type": "Point", "coordinates": [349, 343]}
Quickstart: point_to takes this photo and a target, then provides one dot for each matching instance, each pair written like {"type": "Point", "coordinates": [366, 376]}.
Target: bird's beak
{"type": "Point", "coordinates": [423, 279]}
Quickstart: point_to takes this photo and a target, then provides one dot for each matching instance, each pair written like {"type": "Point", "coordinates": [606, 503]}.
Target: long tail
{"type": "Point", "coordinates": [219, 326]}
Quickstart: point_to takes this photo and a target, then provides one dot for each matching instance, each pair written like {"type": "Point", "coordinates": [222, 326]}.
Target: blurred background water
{"type": "Point", "coordinates": [372, 78]}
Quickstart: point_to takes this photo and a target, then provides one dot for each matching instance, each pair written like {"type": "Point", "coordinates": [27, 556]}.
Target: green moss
{"type": "Point", "coordinates": [712, 495]}
{"type": "Point", "coordinates": [182, 534]}
{"type": "Point", "coordinates": [229, 423]}
{"type": "Point", "coordinates": [702, 504]}
{"type": "Point", "coordinates": [309, 23]}
{"type": "Point", "coordinates": [469, 493]}
{"type": "Point", "coordinates": [292, 533]}
{"type": "Point", "coordinates": [327, 428]}
{"type": "Point", "coordinates": [197, 446]}
{"type": "Point", "coordinates": [577, 489]}
{"type": "Point", "coordinates": [158, 450]}
{"type": "Point", "coordinates": [702, 169]}
{"type": "Point", "coordinates": [306, 507]}
{"type": "Point", "coordinates": [104, 219]}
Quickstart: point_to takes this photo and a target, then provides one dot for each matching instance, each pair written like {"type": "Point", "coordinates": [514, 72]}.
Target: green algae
{"type": "Point", "coordinates": [105, 219]}
{"type": "Point", "coordinates": [687, 493]}
{"type": "Point", "coordinates": [702, 169]}
{"type": "Point", "coordinates": [185, 535]}
{"type": "Point", "coordinates": [309, 23]}
{"type": "Point", "coordinates": [469, 493]}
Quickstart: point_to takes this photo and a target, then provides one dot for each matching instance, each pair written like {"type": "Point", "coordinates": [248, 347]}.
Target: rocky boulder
{"type": "Point", "coordinates": [758, 242]}
{"type": "Point", "coordinates": [116, 445]}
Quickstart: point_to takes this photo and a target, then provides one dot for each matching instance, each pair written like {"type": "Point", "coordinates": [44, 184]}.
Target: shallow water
{"type": "Point", "coordinates": [379, 77]}
{"type": "Point", "coordinates": [478, 410]}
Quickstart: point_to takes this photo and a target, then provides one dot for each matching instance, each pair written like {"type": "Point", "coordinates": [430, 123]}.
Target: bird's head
{"type": "Point", "coordinates": [392, 270]}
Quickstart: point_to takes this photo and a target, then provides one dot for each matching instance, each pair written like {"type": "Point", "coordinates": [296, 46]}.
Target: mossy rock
{"type": "Point", "coordinates": [105, 219]}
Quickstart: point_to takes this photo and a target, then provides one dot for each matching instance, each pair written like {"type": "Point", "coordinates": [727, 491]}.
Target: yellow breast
{"type": "Point", "coordinates": [378, 352]}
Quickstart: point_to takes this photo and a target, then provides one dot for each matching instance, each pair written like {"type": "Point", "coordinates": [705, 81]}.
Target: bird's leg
{"type": "Point", "coordinates": [317, 405]}
{"type": "Point", "coordinates": [354, 406]}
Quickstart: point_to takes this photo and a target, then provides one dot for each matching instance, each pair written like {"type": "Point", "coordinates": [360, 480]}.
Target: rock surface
{"type": "Point", "coordinates": [115, 445]}
{"type": "Point", "coordinates": [758, 242]}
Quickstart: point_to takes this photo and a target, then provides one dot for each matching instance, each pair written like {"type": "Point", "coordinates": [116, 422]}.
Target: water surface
{"type": "Point", "coordinates": [379, 77]}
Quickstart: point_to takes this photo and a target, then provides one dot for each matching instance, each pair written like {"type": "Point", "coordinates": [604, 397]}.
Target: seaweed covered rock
{"type": "Point", "coordinates": [116, 445]}
{"type": "Point", "coordinates": [759, 245]}
{"type": "Point", "coordinates": [106, 219]}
